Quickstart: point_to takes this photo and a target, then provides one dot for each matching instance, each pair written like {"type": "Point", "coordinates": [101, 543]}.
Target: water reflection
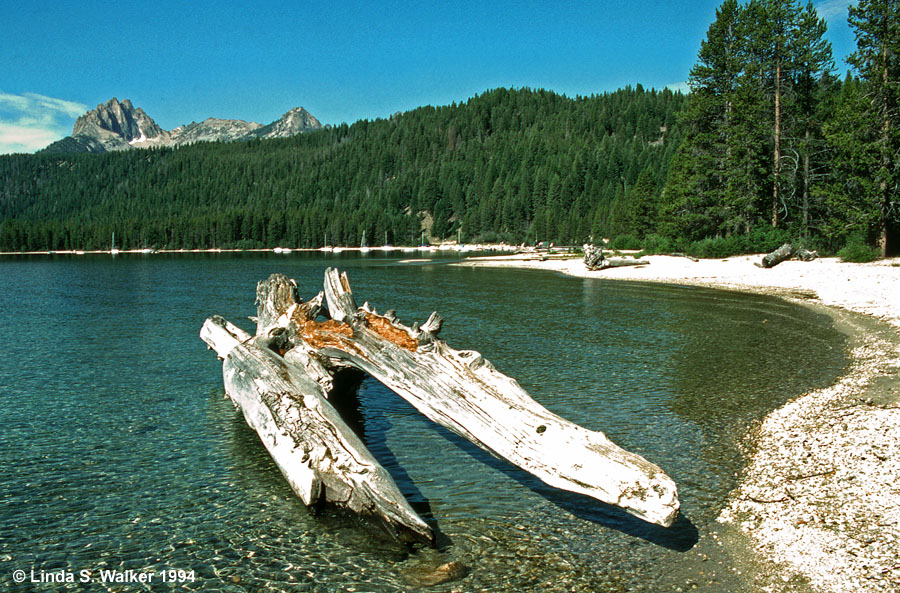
{"type": "Point", "coordinates": [118, 450]}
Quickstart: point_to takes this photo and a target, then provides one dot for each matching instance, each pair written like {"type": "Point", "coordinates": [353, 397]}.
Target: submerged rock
{"type": "Point", "coordinates": [426, 576]}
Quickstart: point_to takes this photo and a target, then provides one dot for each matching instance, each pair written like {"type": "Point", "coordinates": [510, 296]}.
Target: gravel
{"type": "Point", "coordinates": [819, 502]}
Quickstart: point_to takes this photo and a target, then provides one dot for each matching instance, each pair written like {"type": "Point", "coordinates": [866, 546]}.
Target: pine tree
{"type": "Point", "coordinates": [769, 29]}
{"type": "Point", "coordinates": [852, 193]}
{"type": "Point", "coordinates": [782, 17]}
{"type": "Point", "coordinates": [699, 176]}
{"type": "Point", "coordinates": [643, 205]}
{"type": "Point", "coordinates": [877, 58]}
{"type": "Point", "coordinates": [814, 65]}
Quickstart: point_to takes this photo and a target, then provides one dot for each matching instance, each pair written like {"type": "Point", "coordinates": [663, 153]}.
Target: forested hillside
{"type": "Point", "coordinates": [770, 145]}
{"type": "Point", "coordinates": [520, 165]}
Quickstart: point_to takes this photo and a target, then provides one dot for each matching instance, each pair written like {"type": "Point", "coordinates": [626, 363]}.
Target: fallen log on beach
{"type": "Point", "coordinates": [595, 259]}
{"type": "Point", "coordinates": [621, 262]}
{"type": "Point", "coordinates": [786, 252]}
{"type": "Point", "coordinates": [457, 389]}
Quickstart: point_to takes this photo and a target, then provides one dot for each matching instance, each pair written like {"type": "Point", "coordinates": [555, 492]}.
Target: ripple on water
{"type": "Point", "coordinates": [119, 451]}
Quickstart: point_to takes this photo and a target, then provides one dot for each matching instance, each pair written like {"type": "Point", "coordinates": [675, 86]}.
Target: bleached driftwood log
{"type": "Point", "coordinates": [594, 259]}
{"type": "Point", "coordinates": [319, 455]}
{"type": "Point", "coordinates": [282, 376]}
{"type": "Point", "coordinates": [807, 255]}
{"type": "Point", "coordinates": [619, 262]}
{"type": "Point", "coordinates": [466, 394]}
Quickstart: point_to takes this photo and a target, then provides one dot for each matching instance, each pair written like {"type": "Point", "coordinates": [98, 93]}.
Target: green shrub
{"type": "Point", "coordinates": [718, 247]}
{"type": "Point", "coordinates": [657, 244]}
{"type": "Point", "coordinates": [760, 240]}
{"type": "Point", "coordinates": [764, 239]}
{"type": "Point", "coordinates": [856, 250]}
{"type": "Point", "coordinates": [625, 242]}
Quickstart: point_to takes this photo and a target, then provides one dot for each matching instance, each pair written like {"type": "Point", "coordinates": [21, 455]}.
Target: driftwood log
{"type": "Point", "coordinates": [456, 389]}
{"type": "Point", "coordinates": [786, 252]}
{"type": "Point", "coordinates": [319, 455]}
{"type": "Point", "coordinates": [594, 259]}
{"type": "Point", "coordinates": [807, 255]}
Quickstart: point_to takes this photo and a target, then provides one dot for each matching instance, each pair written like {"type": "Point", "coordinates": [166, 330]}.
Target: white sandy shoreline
{"type": "Point", "coordinates": [872, 288]}
{"type": "Point", "coordinates": [443, 248]}
{"type": "Point", "coordinates": [820, 498]}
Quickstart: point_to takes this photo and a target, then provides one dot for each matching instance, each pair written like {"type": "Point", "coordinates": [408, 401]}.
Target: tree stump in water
{"type": "Point", "coordinates": [319, 455]}
{"type": "Point", "coordinates": [457, 389]}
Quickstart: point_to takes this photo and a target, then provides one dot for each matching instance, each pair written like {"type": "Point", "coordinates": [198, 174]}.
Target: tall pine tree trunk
{"type": "Point", "coordinates": [776, 156]}
{"type": "Point", "coordinates": [806, 183]}
{"type": "Point", "coordinates": [885, 156]}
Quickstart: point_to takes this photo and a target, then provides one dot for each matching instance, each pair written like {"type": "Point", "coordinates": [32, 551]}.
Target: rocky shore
{"type": "Point", "coordinates": [820, 499]}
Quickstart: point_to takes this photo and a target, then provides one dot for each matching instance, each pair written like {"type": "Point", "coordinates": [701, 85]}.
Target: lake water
{"type": "Point", "coordinates": [119, 451]}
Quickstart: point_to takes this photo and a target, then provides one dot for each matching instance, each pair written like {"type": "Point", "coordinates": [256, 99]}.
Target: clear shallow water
{"type": "Point", "coordinates": [119, 451]}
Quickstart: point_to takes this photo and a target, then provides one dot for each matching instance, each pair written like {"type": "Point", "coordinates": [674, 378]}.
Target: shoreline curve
{"type": "Point", "coordinates": [819, 501]}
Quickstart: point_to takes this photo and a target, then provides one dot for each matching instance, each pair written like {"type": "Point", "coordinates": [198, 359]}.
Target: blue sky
{"type": "Point", "coordinates": [342, 61]}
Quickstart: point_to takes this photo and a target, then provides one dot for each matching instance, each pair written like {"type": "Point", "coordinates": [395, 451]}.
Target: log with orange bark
{"type": "Point", "coordinates": [459, 390]}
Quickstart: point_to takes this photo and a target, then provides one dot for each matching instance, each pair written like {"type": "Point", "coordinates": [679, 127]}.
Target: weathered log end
{"type": "Point", "coordinates": [338, 295]}
{"type": "Point", "coordinates": [562, 453]}
{"type": "Point", "coordinates": [593, 257]}
{"type": "Point", "coordinates": [285, 402]}
{"type": "Point", "coordinates": [221, 335]}
{"type": "Point", "coordinates": [632, 483]}
{"type": "Point", "coordinates": [273, 297]}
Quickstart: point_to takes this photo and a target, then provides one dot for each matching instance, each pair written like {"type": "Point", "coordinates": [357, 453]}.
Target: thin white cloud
{"type": "Point", "coordinates": [29, 122]}
{"type": "Point", "coordinates": [70, 108]}
{"type": "Point", "coordinates": [15, 138]}
{"type": "Point", "coordinates": [834, 9]}
{"type": "Point", "coordinates": [677, 87]}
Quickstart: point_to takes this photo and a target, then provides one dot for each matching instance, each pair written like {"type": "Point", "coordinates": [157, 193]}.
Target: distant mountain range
{"type": "Point", "coordinates": [122, 126]}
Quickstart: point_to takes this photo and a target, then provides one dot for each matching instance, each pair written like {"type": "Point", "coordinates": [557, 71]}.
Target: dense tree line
{"type": "Point", "coordinates": [519, 165]}
{"type": "Point", "coordinates": [775, 145]}
{"type": "Point", "coordinates": [769, 145]}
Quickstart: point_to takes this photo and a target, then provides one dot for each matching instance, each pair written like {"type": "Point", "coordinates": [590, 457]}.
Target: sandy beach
{"type": "Point", "coordinates": [820, 499]}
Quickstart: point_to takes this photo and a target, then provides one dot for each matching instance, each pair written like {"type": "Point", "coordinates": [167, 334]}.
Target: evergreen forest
{"type": "Point", "coordinates": [516, 165]}
{"type": "Point", "coordinates": [769, 145]}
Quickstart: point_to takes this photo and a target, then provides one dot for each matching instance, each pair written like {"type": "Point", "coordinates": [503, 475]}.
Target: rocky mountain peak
{"type": "Point", "coordinates": [213, 130]}
{"type": "Point", "coordinates": [116, 125]}
{"type": "Point", "coordinates": [293, 122]}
